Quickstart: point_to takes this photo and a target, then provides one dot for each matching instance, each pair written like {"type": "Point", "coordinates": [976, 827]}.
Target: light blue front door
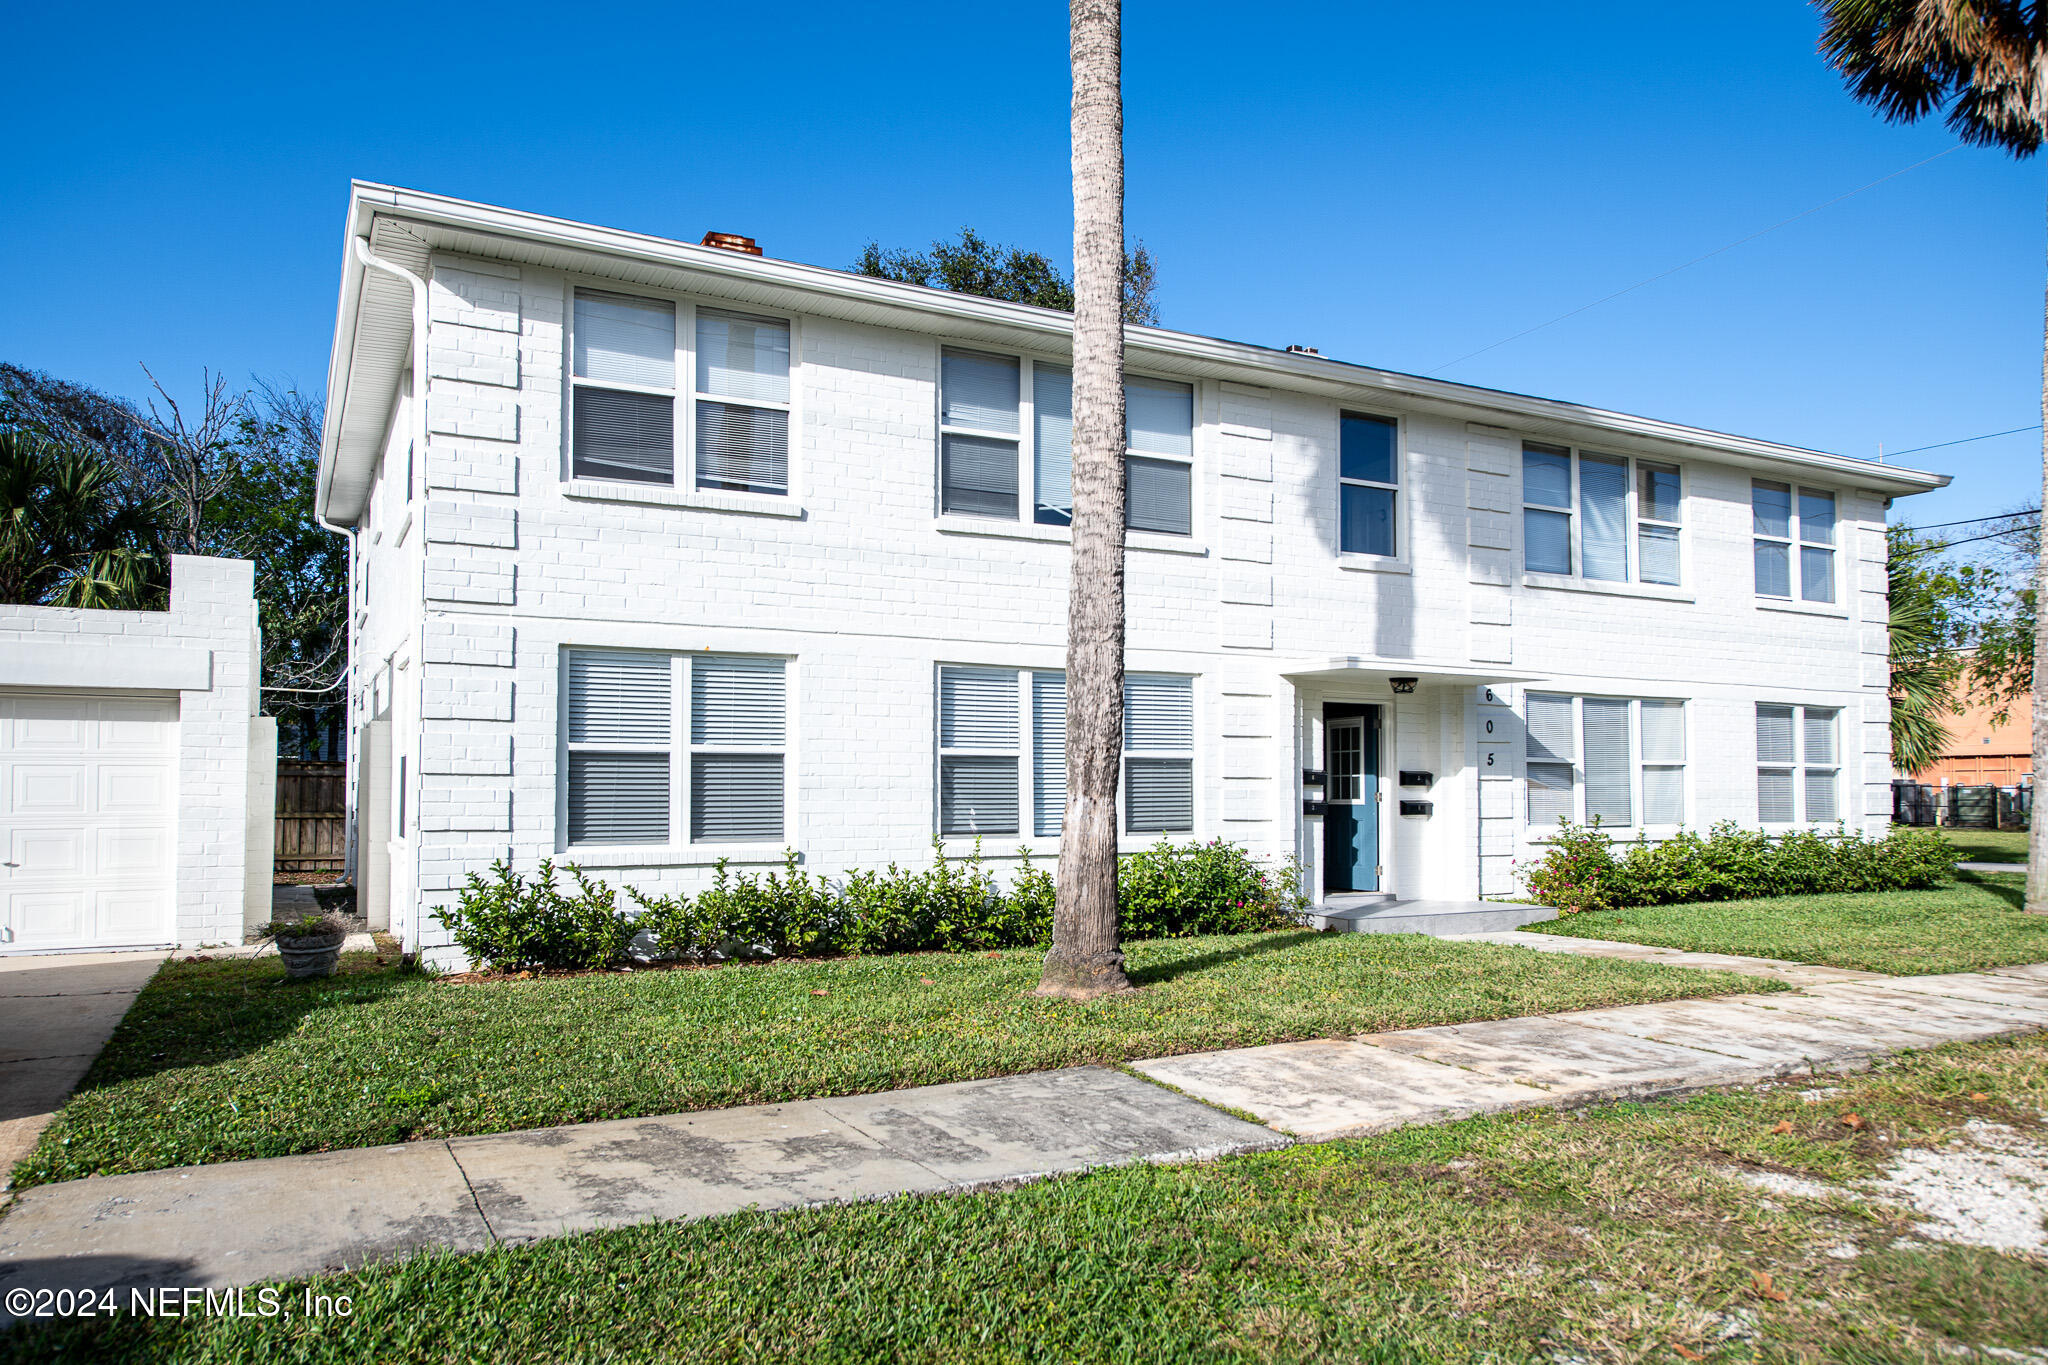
{"type": "Point", "coordinates": [1351, 821]}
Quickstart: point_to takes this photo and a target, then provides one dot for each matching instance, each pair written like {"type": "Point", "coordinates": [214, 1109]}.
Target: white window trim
{"type": "Point", "coordinates": [1637, 762]}
{"type": "Point", "coordinates": [1359, 560]}
{"type": "Point", "coordinates": [1633, 585]}
{"type": "Point", "coordinates": [1025, 525]}
{"type": "Point", "coordinates": [678, 850]}
{"type": "Point", "coordinates": [1799, 768]}
{"type": "Point", "coordinates": [1010, 845]}
{"type": "Point", "coordinates": [682, 491]}
{"type": "Point", "coordinates": [1794, 541]}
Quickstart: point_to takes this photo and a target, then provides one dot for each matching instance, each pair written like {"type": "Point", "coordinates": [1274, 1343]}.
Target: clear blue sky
{"type": "Point", "coordinates": [1395, 184]}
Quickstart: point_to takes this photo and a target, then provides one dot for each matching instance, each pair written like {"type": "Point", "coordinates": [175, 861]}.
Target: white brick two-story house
{"type": "Point", "coordinates": [666, 553]}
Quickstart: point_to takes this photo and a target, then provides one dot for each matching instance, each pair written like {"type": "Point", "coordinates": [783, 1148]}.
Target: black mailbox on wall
{"type": "Point", "coordinates": [1314, 777]}
{"type": "Point", "coordinates": [1410, 778]}
{"type": "Point", "coordinates": [1417, 807]}
{"type": "Point", "coordinates": [1314, 808]}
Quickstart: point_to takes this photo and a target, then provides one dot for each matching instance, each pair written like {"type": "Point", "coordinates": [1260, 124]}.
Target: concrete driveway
{"type": "Point", "coordinates": [56, 1013]}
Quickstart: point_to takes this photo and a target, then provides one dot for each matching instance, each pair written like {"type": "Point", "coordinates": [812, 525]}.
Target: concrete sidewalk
{"type": "Point", "coordinates": [57, 1011]}
{"type": "Point", "coordinates": [242, 1222]}
{"type": "Point", "coordinates": [2020, 868]}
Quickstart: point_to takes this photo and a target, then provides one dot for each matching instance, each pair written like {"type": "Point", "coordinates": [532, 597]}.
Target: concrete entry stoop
{"type": "Point", "coordinates": [1364, 912]}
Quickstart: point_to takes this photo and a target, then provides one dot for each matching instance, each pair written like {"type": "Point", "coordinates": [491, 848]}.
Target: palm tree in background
{"type": "Point", "coordinates": [1981, 62]}
{"type": "Point", "coordinates": [69, 535]}
{"type": "Point", "coordinates": [1085, 960]}
{"type": "Point", "coordinates": [1924, 670]}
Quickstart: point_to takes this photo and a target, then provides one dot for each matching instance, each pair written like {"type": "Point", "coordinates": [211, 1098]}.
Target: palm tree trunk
{"type": "Point", "coordinates": [2037, 835]}
{"type": "Point", "coordinates": [1085, 960]}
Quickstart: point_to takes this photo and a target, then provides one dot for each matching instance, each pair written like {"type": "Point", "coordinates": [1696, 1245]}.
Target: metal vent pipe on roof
{"type": "Point", "coordinates": [731, 241]}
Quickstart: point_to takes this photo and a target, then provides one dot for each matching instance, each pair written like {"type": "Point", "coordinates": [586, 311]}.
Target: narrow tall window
{"type": "Point", "coordinates": [1663, 762]}
{"type": "Point", "coordinates": [1659, 513]}
{"type": "Point", "coordinates": [1816, 546]}
{"type": "Point", "coordinates": [978, 750]}
{"type": "Point", "coordinates": [1048, 753]}
{"type": "Point", "coordinates": [742, 402]}
{"type": "Point", "coordinates": [622, 409]}
{"type": "Point", "coordinates": [1798, 764]}
{"type": "Point", "coordinates": [1052, 439]}
{"type": "Point", "coordinates": [1547, 508]}
{"type": "Point", "coordinates": [1159, 747]}
{"type": "Point", "coordinates": [978, 434]}
{"type": "Point", "coordinates": [1610, 762]}
{"type": "Point", "coordinates": [1553, 755]}
{"type": "Point", "coordinates": [1603, 507]}
{"type": "Point", "coordinates": [1369, 474]}
{"type": "Point", "coordinates": [1795, 541]}
{"type": "Point", "coordinates": [1159, 441]}
{"type": "Point", "coordinates": [619, 747]}
{"type": "Point", "coordinates": [736, 749]}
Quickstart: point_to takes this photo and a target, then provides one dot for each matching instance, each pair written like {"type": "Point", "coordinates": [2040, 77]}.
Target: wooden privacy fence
{"type": "Point", "coordinates": [311, 816]}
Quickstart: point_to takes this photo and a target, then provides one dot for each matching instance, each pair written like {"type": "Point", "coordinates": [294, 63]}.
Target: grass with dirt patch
{"type": "Point", "coordinates": [1631, 1232]}
{"type": "Point", "coordinates": [226, 1059]}
{"type": "Point", "coordinates": [1987, 845]}
{"type": "Point", "coordinates": [1969, 924]}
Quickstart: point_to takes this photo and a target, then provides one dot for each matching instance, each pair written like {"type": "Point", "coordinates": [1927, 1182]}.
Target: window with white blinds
{"type": "Point", "coordinates": [1618, 760]}
{"type": "Point", "coordinates": [1159, 753]}
{"type": "Point", "coordinates": [1798, 764]}
{"type": "Point", "coordinates": [623, 411]}
{"type": "Point", "coordinates": [980, 730]}
{"type": "Point", "coordinates": [742, 402]}
{"type": "Point", "coordinates": [1003, 749]}
{"type": "Point", "coordinates": [1007, 422]}
{"type": "Point", "coordinates": [1606, 518]}
{"type": "Point", "coordinates": [622, 405]}
{"type": "Point", "coordinates": [1794, 530]}
{"type": "Point", "coordinates": [639, 728]}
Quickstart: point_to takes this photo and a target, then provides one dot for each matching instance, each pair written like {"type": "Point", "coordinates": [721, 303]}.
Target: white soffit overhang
{"type": "Point", "coordinates": [407, 227]}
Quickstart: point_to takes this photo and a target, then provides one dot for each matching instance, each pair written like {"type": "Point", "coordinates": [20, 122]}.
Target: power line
{"type": "Point", "coordinates": [1988, 535]}
{"type": "Point", "coordinates": [1972, 521]}
{"type": "Point", "coordinates": [1943, 445]}
{"type": "Point", "coordinates": [1806, 213]}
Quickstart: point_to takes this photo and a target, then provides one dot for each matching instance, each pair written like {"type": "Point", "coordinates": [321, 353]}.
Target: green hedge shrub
{"type": "Point", "coordinates": [511, 924]}
{"type": "Point", "coordinates": [1585, 870]}
{"type": "Point", "coordinates": [955, 905]}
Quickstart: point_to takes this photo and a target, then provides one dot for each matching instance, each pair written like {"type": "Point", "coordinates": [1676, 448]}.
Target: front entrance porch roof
{"type": "Point", "coordinates": [1353, 668]}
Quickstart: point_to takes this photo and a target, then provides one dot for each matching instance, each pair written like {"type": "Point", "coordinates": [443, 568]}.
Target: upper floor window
{"type": "Point", "coordinates": [624, 408]}
{"type": "Point", "coordinates": [1786, 520]}
{"type": "Point", "coordinates": [1607, 758]}
{"type": "Point", "coordinates": [658, 744]}
{"type": "Point", "coordinates": [1003, 752]}
{"type": "Point", "coordinates": [1608, 518]}
{"type": "Point", "coordinates": [1006, 424]}
{"type": "Point", "coordinates": [1369, 476]}
{"type": "Point", "coordinates": [1798, 763]}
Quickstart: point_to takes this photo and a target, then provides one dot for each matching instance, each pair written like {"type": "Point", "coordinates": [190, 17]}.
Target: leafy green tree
{"type": "Point", "coordinates": [1984, 64]}
{"type": "Point", "coordinates": [1924, 663]}
{"type": "Point", "coordinates": [974, 265]}
{"type": "Point", "coordinates": [71, 535]}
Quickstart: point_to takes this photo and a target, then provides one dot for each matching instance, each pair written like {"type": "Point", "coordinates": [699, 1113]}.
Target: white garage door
{"type": "Point", "coordinates": [87, 821]}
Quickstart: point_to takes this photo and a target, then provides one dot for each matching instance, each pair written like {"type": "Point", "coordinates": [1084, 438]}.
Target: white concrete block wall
{"type": "Point", "coordinates": [209, 635]}
{"type": "Point", "coordinates": [856, 578]}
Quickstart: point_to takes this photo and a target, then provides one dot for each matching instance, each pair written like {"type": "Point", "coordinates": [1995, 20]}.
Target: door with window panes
{"type": "Point", "coordinates": [1351, 816]}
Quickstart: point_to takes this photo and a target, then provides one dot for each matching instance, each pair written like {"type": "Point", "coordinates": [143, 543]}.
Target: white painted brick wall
{"type": "Point", "coordinates": [867, 592]}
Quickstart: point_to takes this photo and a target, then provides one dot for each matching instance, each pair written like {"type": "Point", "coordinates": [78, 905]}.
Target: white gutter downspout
{"type": "Point", "coordinates": [418, 439]}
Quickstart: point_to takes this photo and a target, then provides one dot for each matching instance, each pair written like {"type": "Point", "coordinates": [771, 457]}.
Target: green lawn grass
{"type": "Point", "coordinates": [1614, 1234]}
{"type": "Point", "coordinates": [226, 1059]}
{"type": "Point", "coordinates": [1969, 924]}
{"type": "Point", "coordinates": [1988, 845]}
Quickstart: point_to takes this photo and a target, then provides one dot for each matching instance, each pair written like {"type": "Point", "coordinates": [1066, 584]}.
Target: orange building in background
{"type": "Point", "coordinates": [1981, 752]}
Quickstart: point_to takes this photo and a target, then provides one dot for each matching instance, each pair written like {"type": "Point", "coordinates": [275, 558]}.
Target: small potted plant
{"type": "Point", "coordinates": [309, 945]}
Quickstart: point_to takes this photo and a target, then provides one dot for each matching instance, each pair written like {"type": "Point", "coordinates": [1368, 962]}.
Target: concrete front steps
{"type": "Point", "coordinates": [1364, 912]}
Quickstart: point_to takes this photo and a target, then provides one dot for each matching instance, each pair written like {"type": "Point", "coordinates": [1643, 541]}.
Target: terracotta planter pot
{"type": "Point", "coordinates": [310, 956]}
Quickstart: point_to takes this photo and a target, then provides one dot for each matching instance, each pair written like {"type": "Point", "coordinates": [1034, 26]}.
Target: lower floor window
{"type": "Point", "coordinates": [663, 748]}
{"type": "Point", "coordinates": [1618, 760]}
{"type": "Point", "coordinates": [1798, 764]}
{"type": "Point", "coordinates": [1003, 752]}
